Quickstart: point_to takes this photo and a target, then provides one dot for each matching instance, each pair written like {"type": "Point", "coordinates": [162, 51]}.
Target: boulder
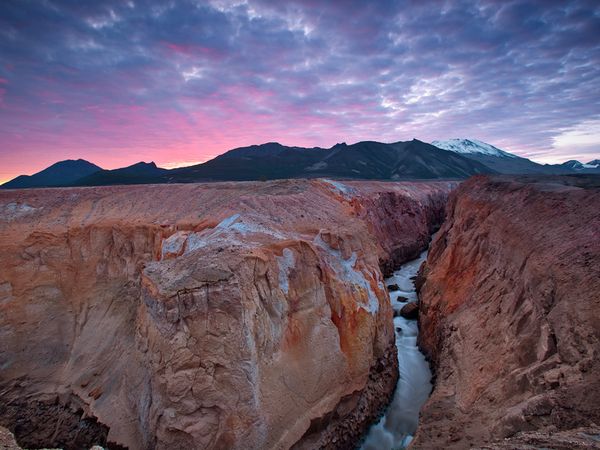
{"type": "Point", "coordinates": [410, 311]}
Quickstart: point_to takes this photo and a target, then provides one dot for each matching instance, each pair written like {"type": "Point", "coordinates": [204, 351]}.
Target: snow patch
{"type": "Point", "coordinates": [286, 262]}
{"type": "Point", "coordinates": [317, 166]}
{"type": "Point", "coordinates": [471, 146]}
{"type": "Point", "coordinates": [578, 165]}
{"type": "Point", "coordinates": [346, 271]}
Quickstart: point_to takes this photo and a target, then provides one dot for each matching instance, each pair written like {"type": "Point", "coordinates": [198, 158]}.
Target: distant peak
{"type": "Point", "coordinates": [578, 165]}
{"type": "Point", "coordinates": [74, 161]}
{"type": "Point", "coordinates": [60, 173]}
{"type": "Point", "coordinates": [472, 146]}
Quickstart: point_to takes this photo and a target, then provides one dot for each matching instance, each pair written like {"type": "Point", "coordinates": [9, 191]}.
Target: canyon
{"type": "Point", "coordinates": [225, 315]}
{"type": "Point", "coordinates": [256, 315]}
{"type": "Point", "coordinates": [510, 316]}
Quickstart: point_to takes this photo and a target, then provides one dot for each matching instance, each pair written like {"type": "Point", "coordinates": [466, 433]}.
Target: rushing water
{"type": "Point", "coordinates": [397, 427]}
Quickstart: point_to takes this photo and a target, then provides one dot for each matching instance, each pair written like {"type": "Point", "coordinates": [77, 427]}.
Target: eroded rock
{"type": "Point", "coordinates": [227, 315]}
{"type": "Point", "coordinates": [510, 315]}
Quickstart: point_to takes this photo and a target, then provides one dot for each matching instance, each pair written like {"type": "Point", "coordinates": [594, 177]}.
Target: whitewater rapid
{"type": "Point", "coordinates": [396, 428]}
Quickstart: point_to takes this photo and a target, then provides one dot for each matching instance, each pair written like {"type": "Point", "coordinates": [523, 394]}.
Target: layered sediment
{"type": "Point", "coordinates": [226, 315]}
{"type": "Point", "coordinates": [510, 316]}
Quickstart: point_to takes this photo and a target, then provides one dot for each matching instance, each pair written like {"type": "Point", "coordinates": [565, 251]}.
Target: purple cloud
{"type": "Point", "coordinates": [116, 82]}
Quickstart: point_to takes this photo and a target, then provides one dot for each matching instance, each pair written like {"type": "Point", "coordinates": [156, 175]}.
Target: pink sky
{"type": "Point", "coordinates": [177, 84]}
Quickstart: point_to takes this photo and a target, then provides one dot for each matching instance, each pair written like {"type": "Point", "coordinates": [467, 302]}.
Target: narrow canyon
{"type": "Point", "coordinates": [510, 316]}
{"type": "Point", "coordinates": [255, 315]}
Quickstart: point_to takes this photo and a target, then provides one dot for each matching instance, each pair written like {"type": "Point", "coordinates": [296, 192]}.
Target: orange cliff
{"type": "Point", "coordinates": [226, 315]}
{"type": "Point", "coordinates": [510, 316]}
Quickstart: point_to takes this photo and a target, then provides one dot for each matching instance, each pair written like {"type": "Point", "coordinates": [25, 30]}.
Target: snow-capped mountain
{"type": "Point", "coordinates": [573, 164]}
{"type": "Point", "coordinates": [577, 165]}
{"type": "Point", "coordinates": [496, 159]}
{"type": "Point", "coordinates": [472, 146]}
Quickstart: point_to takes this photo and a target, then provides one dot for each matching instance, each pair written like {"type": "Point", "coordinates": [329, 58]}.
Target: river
{"type": "Point", "coordinates": [396, 428]}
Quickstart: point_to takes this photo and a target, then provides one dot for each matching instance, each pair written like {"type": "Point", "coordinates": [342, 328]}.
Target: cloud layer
{"type": "Point", "coordinates": [117, 82]}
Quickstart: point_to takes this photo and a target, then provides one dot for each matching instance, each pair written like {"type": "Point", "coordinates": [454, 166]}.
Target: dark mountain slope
{"type": "Point", "coordinates": [139, 173]}
{"type": "Point", "coordinates": [363, 160]}
{"type": "Point", "coordinates": [518, 165]}
{"type": "Point", "coordinates": [59, 174]}
{"type": "Point", "coordinates": [498, 160]}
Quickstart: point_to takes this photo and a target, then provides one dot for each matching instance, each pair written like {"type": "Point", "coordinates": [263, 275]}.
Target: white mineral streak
{"type": "Point", "coordinates": [346, 270]}
{"type": "Point", "coordinates": [286, 263]}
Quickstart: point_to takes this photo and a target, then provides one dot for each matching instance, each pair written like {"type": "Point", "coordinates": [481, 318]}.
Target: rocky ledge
{"type": "Point", "coordinates": [510, 316]}
{"type": "Point", "coordinates": [226, 315]}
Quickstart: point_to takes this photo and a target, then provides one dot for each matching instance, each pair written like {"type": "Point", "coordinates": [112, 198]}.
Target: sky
{"type": "Point", "coordinates": [117, 82]}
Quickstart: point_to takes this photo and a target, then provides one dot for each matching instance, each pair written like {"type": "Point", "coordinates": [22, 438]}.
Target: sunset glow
{"type": "Point", "coordinates": [181, 82]}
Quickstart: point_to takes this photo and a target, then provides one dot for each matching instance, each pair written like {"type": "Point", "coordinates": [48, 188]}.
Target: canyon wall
{"type": "Point", "coordinates": [510, 316]}
{"type": "Point", "coordinates": [227, 315]}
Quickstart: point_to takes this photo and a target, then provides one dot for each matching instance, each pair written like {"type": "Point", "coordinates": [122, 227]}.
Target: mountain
{"type": "Point", "coordinates": [498, 160]}
{"type": "Point", "coordinates": [472, 147]}
{"type": "Point", "coordinates": [363, 160]}
{"type": "Point", "coordinates": [139, 173]}
{"type": "Point", "coordinates": [573, 164]}
{"type": "Point", "coordinates": [409, 160]}
{"type": "Point", "coordinates": [590, 167]}
{"type": "Point", "coordinates": [58, 174]}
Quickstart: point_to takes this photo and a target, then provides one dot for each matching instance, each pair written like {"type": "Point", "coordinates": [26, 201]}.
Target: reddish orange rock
{"type": "Point", "coordinates": [226, 315]}
{"type": "Point", "coordinates": [510, 316]}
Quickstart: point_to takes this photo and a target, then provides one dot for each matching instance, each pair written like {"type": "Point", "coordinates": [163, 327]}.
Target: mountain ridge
{"type": "Point", "coordinates": [370, 160]}
{"type": "Point", "coordinates": [133, 174]}
{"type": "Point", "coordinates": [401, 160]}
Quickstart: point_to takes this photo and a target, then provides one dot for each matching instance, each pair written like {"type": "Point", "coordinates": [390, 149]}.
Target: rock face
{"type": "Point", "coordinates": [229, 315]}
{"type": "Point", "coordinates": [7, 440]}
{"type": "Point", "coordinates": [510, 316]}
